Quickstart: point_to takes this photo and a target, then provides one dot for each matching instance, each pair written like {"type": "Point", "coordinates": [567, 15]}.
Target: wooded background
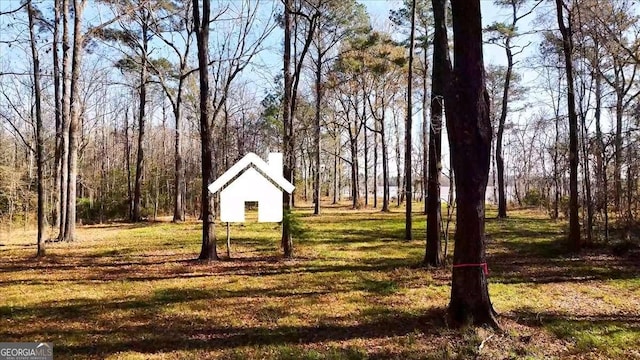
{"type": "Point", "coordinates": [101, 110]}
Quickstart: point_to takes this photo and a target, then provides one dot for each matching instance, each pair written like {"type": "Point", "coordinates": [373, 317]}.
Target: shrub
{"type": "Point", "coordinates": [533, 198]}
{"type": "Point", "coordinates": [112, 208]}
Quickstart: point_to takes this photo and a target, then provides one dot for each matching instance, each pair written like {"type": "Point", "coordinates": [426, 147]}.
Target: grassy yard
{"type": "Point", "coordinates": [354, 291]}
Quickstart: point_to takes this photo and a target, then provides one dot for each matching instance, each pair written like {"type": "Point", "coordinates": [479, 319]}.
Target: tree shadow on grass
{"type": "Point", "coordinates": [146, 329]}
{"type": "Point", "coordinates": [123, 225]}
{"type": "Point", "coordinates": [529, 250]}
{"type": "Point", "coordinates": [358, 216]}
{"type": "Point", "coordinates": [364, 236]}
{"type": "Point", "coordinates": [85, 270]}
{"type": "Point", "coordinates": [150, 340]}
{"type": "Point", "coordinates": [82, 309]}
{"type": "Point", "coordinates": [52, 263]}
{"type": "Point", "coordinates": [531, 317]}
{"type": "Point", "coordinates": [549, 260]}
{"type": "Point", "coordinates": [531, 244]}
{"type": "Point", "coordinates": [613, 334]}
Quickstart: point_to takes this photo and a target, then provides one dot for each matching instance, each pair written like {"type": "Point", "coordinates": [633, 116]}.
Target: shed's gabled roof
{"type": "Point", "coordinates": [246, 161]}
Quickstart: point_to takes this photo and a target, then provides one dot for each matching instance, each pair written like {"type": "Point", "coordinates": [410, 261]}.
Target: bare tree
{"type": "Point", "coordinates": [201, 25]}
{"type": "Point", "coordinates": [38, 129]}
{"type": "Point", "coordinates": [440, 78]}
{"type": "Point", "coordinates": [408, 129]}
{"type": "Point", "coordinates": [337, 21]}
{"type": "Point", "coordinates": [74, 119]}
{"type": "Point", "coordinates": [72, 98]}
{"type": "Point", "coordinates": [291, 83]}
{"type": "Point", "coordinates": [503, 35]}
{"type": "Point", "coordinates": [175, 95]}
{"type": "Point", "coordinates": [567, 45]}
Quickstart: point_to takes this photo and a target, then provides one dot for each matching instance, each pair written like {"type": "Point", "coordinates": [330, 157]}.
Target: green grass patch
{"type": "Point", "coordinates": [613, 338]}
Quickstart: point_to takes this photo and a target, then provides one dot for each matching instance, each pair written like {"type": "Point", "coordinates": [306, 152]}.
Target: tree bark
{"type": "Point", "coordinates": [287, 139]}
{"type": "Point", "coordinates": [137, 192]}
{"type": "Point", "coordinates": [366, 149]}
{"type": "Point", "coordinates": [399, 182]}
{"type": "Point", "coordinates": [39, 139]}
{"type": "Point", "coordinates": [58, 115]}
{"type": "Point", "coordinates": [385, 169]}
{"type": "Point", "coordinates": [618, 143]}
{"type": "Point", "coordinates": [375, 164]}
{"type": "Point", "coordinates": [336, 183]}
{"type": "Point", "coordinates": [469, 130]}
{"type": "Point", "coordinates": [127, 163]}
{"type": "Point", "coordinates": [588, 199]}
{"type": "Point", "coordinates": [209, 250]}
{"type": "Point", "coordinates": [601, 177]}
{"type": "Point", "coordinates": [440, 79]}
{"type": "Point", "coordinates": [316, 134]}
{"type": "Point", "coordinates": [178, 187]}
{"type": "Point", "coordinates": [408, 143]}
{"type": "Point", "coordinates": [567, 44]}
{"type": "Point", "coordinates": [355, 189]}
{"type": "Point", "coordinates": [502, 199]}
{"type": "Point", "coordinates": [74, 120]}
{"type": "Point", "coordinates": [425, 128]}
{"type": "Point", "coordinates": [65, 119]}
{"type": "Point", "coordinates": [556, 170]}
{"type": "Point", "coordinates": [385, 164]}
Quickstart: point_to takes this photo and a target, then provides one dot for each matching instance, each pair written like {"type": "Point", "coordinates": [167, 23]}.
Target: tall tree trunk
{"type": "Point", "coordinates": [385, 164]}
{"type": "Point", "coordinates": [601, 176]}
{"type": "Point", "coordinates": [440, 79]}
{"type": "Point", "coordinates": [469, 129]}
{"type": "Point", "coordinates": [209, 250]}
{"type": "Point", "coordinates": [567, 43]}
{"type": "Point", "coordinates": [39, 139]}
{"type": "Point", "coordinates": [556, 156]}
{"type": "Point", "coordinates": [179, 176]}
{"type": "Point", "coordinates": [104, 169]}
{"type": "Point", "coordinates": [408, 143]}
{"type": "Point", "coordinates": [630, 190]}
{"type": "Point", "coordinates": [588, 199]}
{"type": "Point", "coordinates": [178, 187]}
{"type": "Point", "coordinates": [618, 143]}
{"type": "Point", "coordinates": [336, 183]}
{"type": "Point", "coordinates": [399, 182]}
{"type": "Point", "coordinates": [65, 118]}
{"type": "Point", "coordinates": [58, 115]}
{"type": "Point", "coordinates": [375, 164]}
{"type": "Point", "coordinates": [355, 190]}
{"type": "Point", "coordinates": [304, 170]}
{"type": "Point", "coordinates": [127, 162]}
{"type": "Point", "coordinates": [316, 135]}
{"type": "Point", "coordinates": [425, 126]}
{"type": "Point", "coordinates": [287, 139]}
{"type": "Point", "coordinates": [556, 170]}
{"type": "Point", "coordinates": [137, 192]}
{"type": "Point", "coordinates": [502, 199]}
{"type": "Point", "coordinates": [74, 121]}
{"type": "Point", "coordinates": [366, 153]}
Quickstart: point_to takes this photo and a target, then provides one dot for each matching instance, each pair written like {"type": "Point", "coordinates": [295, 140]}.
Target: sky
{"type": "Point", "coordinates": [268, 63]}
